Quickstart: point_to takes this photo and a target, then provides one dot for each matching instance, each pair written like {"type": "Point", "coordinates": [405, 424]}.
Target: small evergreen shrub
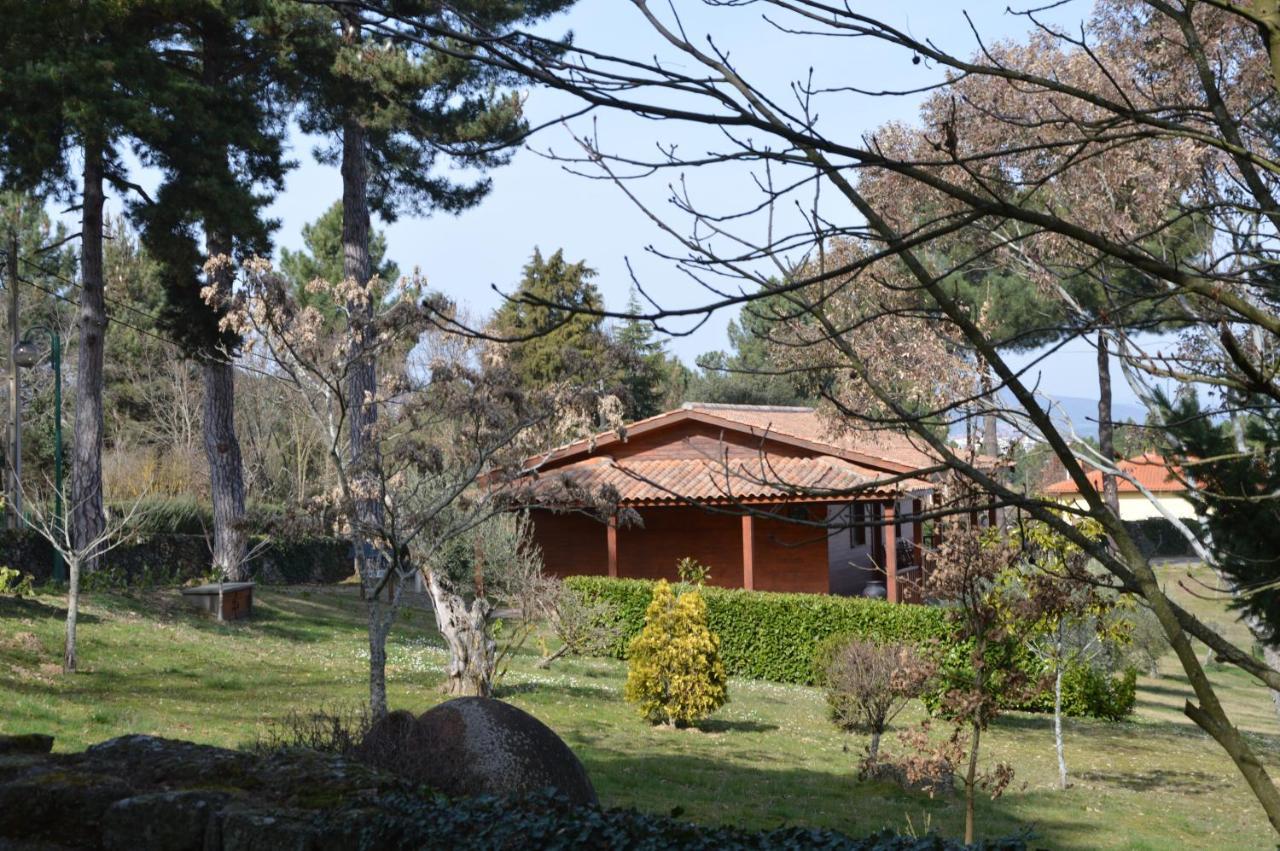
{"type": "Point", "coordinates": [14, 583]}
{"type": "Point", "coordinates": [1088, 692]}
{"type": "Point", "coordinates": [675, 675]}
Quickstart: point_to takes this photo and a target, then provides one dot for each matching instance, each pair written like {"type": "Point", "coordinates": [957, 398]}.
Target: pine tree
{"type": "Point", "coordinates": [747, 374]}
{"type": "Point", "coordinates": [219, 144]}
{"type": "Point", "coordinates": [552, 339]}
{"type": "Point", "coordinates": [652, 380]}
{"type": "Point", "coordinates": [78, 74]}
{"type": "Point", "coordinates": [393, 111]}
{"type": "Point", "coordinates": [322, 257]}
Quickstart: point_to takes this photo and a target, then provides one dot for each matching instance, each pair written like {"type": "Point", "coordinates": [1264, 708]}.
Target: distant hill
{"type": "Point", "coordinates": [1083, 413]}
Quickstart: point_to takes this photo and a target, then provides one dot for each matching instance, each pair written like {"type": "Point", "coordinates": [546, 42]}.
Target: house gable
{"type": "Point", "coordinates": [695, 434]}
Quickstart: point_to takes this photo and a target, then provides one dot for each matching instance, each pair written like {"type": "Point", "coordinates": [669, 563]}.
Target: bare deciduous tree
{"type": "Point", "coordinates": [455, 434]}
{"type": "Point", "coordinates": [1020, 154]}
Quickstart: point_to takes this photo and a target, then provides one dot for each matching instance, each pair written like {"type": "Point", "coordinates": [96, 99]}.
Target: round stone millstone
{"type": "Point", "coordinates": [479, 746]}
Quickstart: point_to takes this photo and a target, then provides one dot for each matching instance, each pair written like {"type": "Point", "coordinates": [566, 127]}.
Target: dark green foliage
{"type": "Point", "coordinates": [548, 821]}
{"type": "Point", "coordinates": [789, 638]}
{"type": "Point", "coordinates": [770, 636]}
{"type": "Point", "coordinates": [152, 559]}
{"type": "Point", "coordinates": [421, 111]}
{"type": "Point", "coordinates": [1159, 538]}
{"type": "Point", "coordinates": [653, 381]}
{"type": "Point", "coordinates": [72, 72]}
{"type": "Point", "coordinates": [218, 139]}
{"type": "Point", "coordinates": [1235, 498]}
{"type": "Point", "coordinates": [552, 344]}
{"type": "Point", "coordinates": [748, 373]}
{"type": "Point", "coordinates": [322, 258]}
{"type": "Point", "coordinates": [1088, 692]}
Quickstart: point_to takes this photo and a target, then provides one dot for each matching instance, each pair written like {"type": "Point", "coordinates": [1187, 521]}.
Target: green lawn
{"type": "Point", "coordinates": [769, 757]}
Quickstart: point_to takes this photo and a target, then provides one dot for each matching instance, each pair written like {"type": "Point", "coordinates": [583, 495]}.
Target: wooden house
{"type": "Point", "coordinates": [770, 498]}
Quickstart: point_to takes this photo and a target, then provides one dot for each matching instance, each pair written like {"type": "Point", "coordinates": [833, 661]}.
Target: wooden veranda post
{"type": "Point", "coordinates": [748, 551]}
{"type": "Point", "coordinates": [613, 546]}
{"type": "Point", "coordinates": [891, 553]}
{"type": "Point", "coordinates": [917, 530]}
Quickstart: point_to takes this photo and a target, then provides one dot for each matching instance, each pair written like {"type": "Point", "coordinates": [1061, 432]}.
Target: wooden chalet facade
{"type": "Point", "coordinates": [762, 495]}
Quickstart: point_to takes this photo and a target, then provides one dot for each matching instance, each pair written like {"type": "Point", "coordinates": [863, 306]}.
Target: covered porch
{"type": "Point", "coordinates": [873, 547]}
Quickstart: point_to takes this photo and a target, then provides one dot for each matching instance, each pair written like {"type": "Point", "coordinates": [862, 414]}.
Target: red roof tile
{"type": "Point", "coordinates": [709, 481]}
{"type": "Point", "coordinates": [1150, 470]}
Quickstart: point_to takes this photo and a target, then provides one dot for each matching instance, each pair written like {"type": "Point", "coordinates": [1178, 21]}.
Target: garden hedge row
{"type": "Point", "coordinates": [770, 636]}
{"type": "Point", "coordinates": [1158, 538]}
{"type": "Point", "coordinates": [174, 559]}
{"type": "Point", "coordinates": [778, 637]}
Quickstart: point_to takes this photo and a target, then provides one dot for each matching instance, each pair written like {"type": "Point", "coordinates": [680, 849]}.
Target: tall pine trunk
{"type": "Point", "coordinates": [87, 518]}
{"type": "Point", "coordinates": [221, 446]}
{"type": "Point", "coordinates": [362, 388]}
{"type": "Point", "coordinates": [1106, 428]}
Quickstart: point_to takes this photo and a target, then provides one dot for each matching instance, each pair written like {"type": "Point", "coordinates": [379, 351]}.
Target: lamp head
{"type": "Point", "coordinates": [26, 354]}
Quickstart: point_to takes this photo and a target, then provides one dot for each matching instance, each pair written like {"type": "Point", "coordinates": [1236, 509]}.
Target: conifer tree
{"type": "Point", "coordinates": [76, 75]}
{"type": "Point", "coordinates": [549, 322]}
{"type": "Point", "coordinates": [393, 111]}
{"type": "Point", "coordinates": [220, 148]}
{"type": "Point", "coordinates": [322, 257]}
{"type": "Point", "coordinates": [652, 380]}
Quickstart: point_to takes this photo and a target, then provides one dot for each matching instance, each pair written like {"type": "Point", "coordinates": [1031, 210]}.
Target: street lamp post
{"type": "Point", "coordinates": [25, 354]}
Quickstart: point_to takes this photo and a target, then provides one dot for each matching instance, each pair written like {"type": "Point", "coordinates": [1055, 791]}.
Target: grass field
{"type": "Point", "coordinates": [769, 757]}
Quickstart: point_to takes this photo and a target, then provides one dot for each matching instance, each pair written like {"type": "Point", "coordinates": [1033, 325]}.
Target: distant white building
{"type": "Point", "coordinates": [1165, 482]}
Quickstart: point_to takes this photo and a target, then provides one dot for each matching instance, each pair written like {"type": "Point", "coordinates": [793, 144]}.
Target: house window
{"type": "Point", "coordinates": [858, 531]}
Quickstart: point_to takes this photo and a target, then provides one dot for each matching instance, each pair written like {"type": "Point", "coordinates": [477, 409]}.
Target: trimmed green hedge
{"type": "Point", "coordinates": [782, 638]}
{"type": "Point", "coordinates": [768, 636]}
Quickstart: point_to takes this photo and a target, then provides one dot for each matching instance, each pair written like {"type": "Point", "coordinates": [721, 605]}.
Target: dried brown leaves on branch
{"type": "Point", "coordinates": [445, 456]}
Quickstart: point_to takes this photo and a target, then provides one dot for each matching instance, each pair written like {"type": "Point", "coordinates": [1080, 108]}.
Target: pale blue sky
{"type": "Point", "coordinates": [536, 203]}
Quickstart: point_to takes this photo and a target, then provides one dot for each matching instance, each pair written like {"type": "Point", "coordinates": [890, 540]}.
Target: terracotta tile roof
{"type": "Point", "coordinates": [640, 482]}
{"type": "Point", "coordinates": [1151, 471]}
{"type": "Point", "coordinates": [808, 424]}
{"type": "Point", "coordinates": [878, 449]}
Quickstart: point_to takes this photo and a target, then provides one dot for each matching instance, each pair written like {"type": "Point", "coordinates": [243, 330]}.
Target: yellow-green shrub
{"type": "Point", "coordinates": [674, 673]}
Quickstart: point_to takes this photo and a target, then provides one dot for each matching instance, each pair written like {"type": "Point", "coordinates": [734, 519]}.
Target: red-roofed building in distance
{"type": "Point", "coordinates": [763, 495]}
{"type": "Point", "coordinates": [1165, 483]}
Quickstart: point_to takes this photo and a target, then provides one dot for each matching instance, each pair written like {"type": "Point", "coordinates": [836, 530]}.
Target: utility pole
{"type": "Point", "coordinates": [15, 409]}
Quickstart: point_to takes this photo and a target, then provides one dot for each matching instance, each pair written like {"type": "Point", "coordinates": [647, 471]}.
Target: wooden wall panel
{"type": "Point", "coordinates": [792, 556]}
{"type": "Point", "coordinates": [670, 534]}
{"type": "Point", "coordinates": [572, 544]}
{"type": "Point", "coordinates": [788, 556]}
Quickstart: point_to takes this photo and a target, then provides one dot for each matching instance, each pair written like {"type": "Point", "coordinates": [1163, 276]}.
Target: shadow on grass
{"type": "Point", "coordinates": [25, 607]}
{"type": "Point", "coordinates": [1189, 782]}
{"type": "Point", "coordinates": [719, 725]}
{"type": "Point", "coordinates": [542, 688]}
{"type": "Point", "coordinates": [749, 795]}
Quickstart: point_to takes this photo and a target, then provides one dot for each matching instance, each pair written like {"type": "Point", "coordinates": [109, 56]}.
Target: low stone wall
{"type": "Point", "coordinates": [175, 559]}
